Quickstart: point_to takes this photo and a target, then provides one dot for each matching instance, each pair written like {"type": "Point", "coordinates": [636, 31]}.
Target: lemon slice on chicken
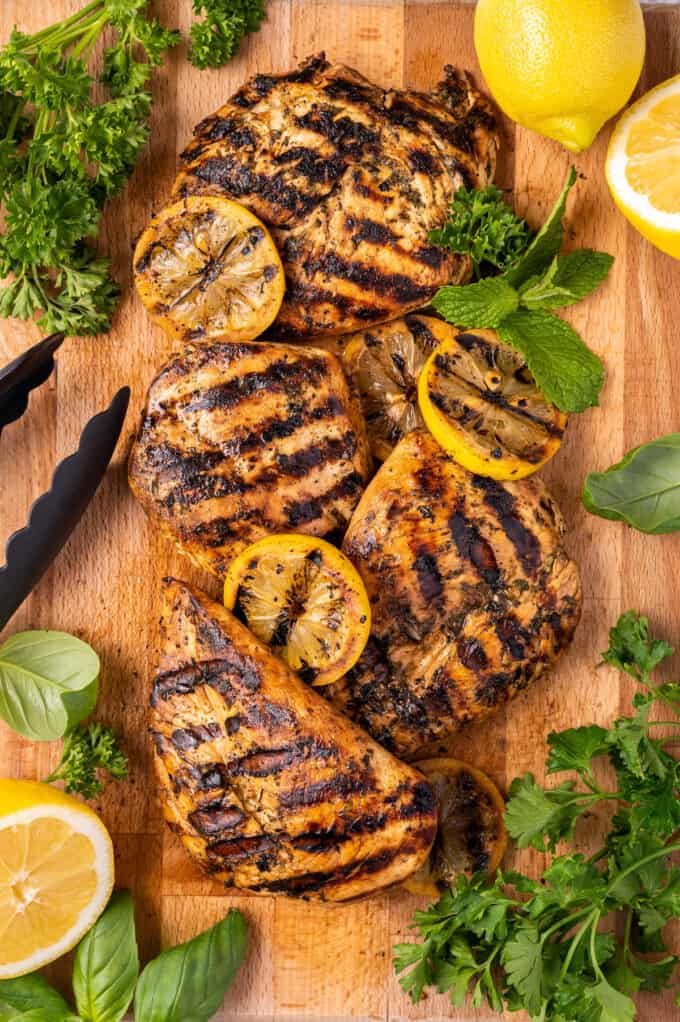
{"type": "Point", "coordinates": [384, 364]}
{"type": "Point", "coordinates": [305, 599]}
{"type": "Point", "coordinates": [471, 835]}
{"type": "Point", "coordinates": [56, 874]}
{"type": "Point", "coordinates": [481, 404]}
{"type": "Point", "coordinates": [206, 268]}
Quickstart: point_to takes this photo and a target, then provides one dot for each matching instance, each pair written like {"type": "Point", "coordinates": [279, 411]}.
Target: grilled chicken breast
{"type": "Point", "coordinates": [240, 440]}
{"type": "Point", "coordinates": [352, 178]}
{"type": "Point", "coordinates": [269, 787]}
{"type": "Point", "coordinates": [473, 596]}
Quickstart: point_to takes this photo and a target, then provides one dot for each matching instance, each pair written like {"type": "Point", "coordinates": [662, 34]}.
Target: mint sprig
{"type": "Point", "coordinates": [519, 302]}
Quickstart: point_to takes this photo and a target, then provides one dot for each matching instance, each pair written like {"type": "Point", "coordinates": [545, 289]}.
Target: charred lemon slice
{"type": "Point", "coordinates": [384, 365]}
{"type": "Point", "coordinates": [480, 402]}
{"type": "Point", "coordinates": [471, 835]}
{"type": "Point", "coordinates": [304, 599]}
{"type": "Point", "coordinates": [206, 268]}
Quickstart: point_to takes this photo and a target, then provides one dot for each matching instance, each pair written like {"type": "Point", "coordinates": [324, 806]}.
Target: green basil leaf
{"type": "Point", "coordinates": [642, 490]}
{"type": "Point", "coordinates": [48, 683]}
{"type": "Point", "coordinates": [32, 992]}
{"type": "Point", "coordinates": [38, 1015]}
{"type": "Point", "coordinates": [188, 982]}
{"type": "Point", "coordinates": [106, 964]}
{"type": "Point", "coordinates": [546, 245]}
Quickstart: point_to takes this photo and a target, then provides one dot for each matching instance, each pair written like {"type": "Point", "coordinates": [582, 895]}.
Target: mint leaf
{"type": "Point", "coordinates": [484, 304]}
{"type": "Point", "coordinates": [582, 271]}
{"type": "Point", "coordinates": [565, 370]}
{"type": "Point", "coordinates": [568, 279]}
{"type": "Point", "coordinates": [547, 243]}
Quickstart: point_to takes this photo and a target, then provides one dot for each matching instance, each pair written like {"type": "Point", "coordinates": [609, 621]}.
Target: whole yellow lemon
{"type": "Point", "coordinates": [561, 67]}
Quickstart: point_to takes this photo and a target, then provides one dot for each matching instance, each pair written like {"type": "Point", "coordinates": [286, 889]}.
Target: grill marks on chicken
{"type": "Point", "coordinates": [473, 595]}
{"type": "Point", "coordinates": [271, 789]}
{"type": "Point", "coordinates": [351, 178]}
{"type": "Point", "coordinates": [240, 440]}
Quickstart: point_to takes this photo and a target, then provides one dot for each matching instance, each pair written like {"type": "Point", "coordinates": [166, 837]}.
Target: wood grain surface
{"type": "Point", "coordinates": [308, 961]}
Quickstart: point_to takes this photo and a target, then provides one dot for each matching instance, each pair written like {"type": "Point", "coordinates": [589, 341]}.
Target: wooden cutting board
{"type": "Point", "coordinates": [309, 961]}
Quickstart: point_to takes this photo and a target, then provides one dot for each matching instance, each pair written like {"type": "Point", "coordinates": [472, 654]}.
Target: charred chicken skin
{"type": "Point", "coordinates": [270, 789]}
{"type": "Point", "coordinates": [241, 440]}
{"type": "Point", "coordinates": [351, 178]}
{"type": "Point", "coordinates": [473, 595]}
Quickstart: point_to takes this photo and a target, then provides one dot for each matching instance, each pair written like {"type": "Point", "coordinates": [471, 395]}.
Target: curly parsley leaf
{"type": "Point", "coordinates": [86, 750]}
{"type": "Point", "coordinates": [216, 39]}
{"type": "Point", "coordinates": [64, 152]}
{"type": "Point", "coordinates": [480, 224]}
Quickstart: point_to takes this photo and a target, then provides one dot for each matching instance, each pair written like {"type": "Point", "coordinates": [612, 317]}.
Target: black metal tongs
{"type": "Point", "coordinates": [54, 515]}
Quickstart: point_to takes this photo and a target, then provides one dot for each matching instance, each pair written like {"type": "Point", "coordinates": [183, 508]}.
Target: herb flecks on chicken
{"type": "Point", "coordinates": [351, 178]}
{"type": "Point", "coordinates": [271, 789]}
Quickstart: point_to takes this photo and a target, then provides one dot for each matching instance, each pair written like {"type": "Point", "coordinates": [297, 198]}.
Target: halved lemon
{"type": "Point", "coordinates": [643, 166]}
{"type": "Point", "coordinates": [56, 874]}
{"type": "Point", "coordinates": [481, 404]}
{"type": "Point", "coordinates": [471, 835]}
{"type": "Point", "coordinates": [206, 268]}
{"type": "Point", "coordinates": [384, 364]}
{"type": "Point", "coordinates": [305, 599]}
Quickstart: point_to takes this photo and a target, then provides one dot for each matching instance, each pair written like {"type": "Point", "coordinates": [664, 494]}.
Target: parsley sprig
{"type": "Point", "coordinates": [520, 301]}
{"type": "Point", "coordinates": [216, 38]}
{"type": "Point", "coordinates": [575, 944]}
{"type": "Point", "coordinates": [87, 749]}
{"type": "Point", "coordinates": [63, 153]}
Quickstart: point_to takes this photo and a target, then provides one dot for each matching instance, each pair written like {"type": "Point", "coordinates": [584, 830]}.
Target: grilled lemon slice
{"type": "Point", "coordinates": [471, 835]}
{"type": "Point", "coordinates": [303, 598]}
{"type": "Point", "coordinates": [56, 874]}
{"type": "Point", "coordinates": [480, 402]}
{"type": "Point", "coordinates": [207, 268]}
{"type": "Point", "coordinates": [384, 364]}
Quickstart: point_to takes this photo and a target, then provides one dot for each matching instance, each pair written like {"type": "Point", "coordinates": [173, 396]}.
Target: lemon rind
{"type": "Point", "coordinates": [615, 166]}
{"type": "Point", "coordinates": [88, 825]}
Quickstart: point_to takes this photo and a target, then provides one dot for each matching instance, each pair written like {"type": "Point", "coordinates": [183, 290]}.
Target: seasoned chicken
{"type": "Point", "coordinates": [269, 787]}
{"type": "Point", "coordinates": [352, 178]}
{"type": "Point", "coordinates": [240, 440]}
{"type": "Point", "coordinates": [473, 596]}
